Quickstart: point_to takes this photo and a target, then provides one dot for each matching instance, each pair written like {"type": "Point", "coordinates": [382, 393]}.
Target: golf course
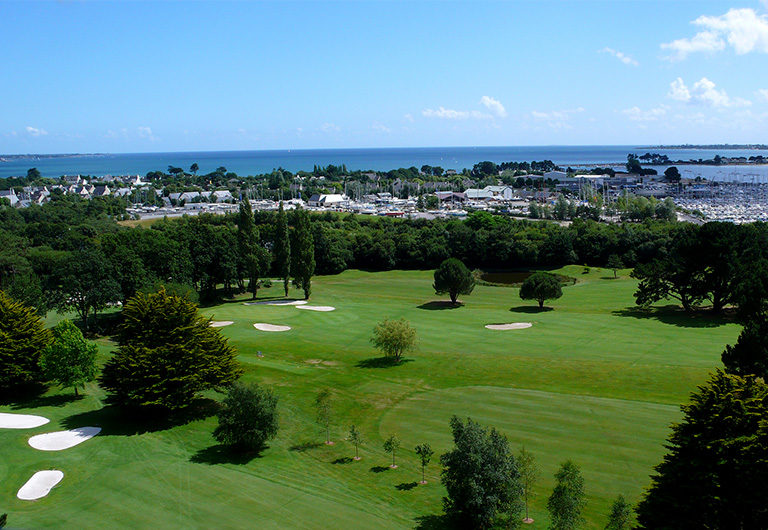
{"type": "Point", "coordinates": [593, 379]}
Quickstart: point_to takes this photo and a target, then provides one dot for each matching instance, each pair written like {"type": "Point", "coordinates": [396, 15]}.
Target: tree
{"type": "Point", "coordinates": [356, 439]}
{"type": "Point", "coordinates": [567, 500]}
{"type": "Point", "coordinates": [529, 474]}
{"type": "Point", "coordinates": [70, 360]}
{"type": "Point", "coordinates": [253, 258]}
{"type": "Point", "coordinates": [480, 475]}
{"type": "Point", "coordinates": [248, 417]}
{"type": "Point", "coordinates": [167, 353]}
{"type": "Point", "coordinates": [394, 338]}
{"type": "Point", "coordinates": [454, 278]}
{"type": "Point", "coordinates": [621, 515]}
{"type": "Point", "coordinates": [282, 249]}
{"type": "Point", "coordinates": [194, 168]}
{"type": "Point", "coordinates": [303, 261]}
{"type": "Point", "coordinates": [713, 475]}
{"type": "Point", "coordinates": [633, 165]}
{"type": "Point", "coordinates": [425, 452]}
{"type": "Point", "coordinates": [541, 286]}
{"type": "Point", "coordinates": [391, 445]}
{"type": "Point", "coordinates": [749, 356]}
{"type": "Point", "coordinates": [324, 412]}
{"type": "Point", "coordinates": [33, 174]}
{"type": "Point", "coordinates": [614, 263]}
{"type": "Point", "coordinates": [24, 337]}
{"type": "Point", "coordinates": [672, 174]}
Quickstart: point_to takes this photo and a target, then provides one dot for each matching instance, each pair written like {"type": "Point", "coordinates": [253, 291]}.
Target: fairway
{"type": "Point", "coordinates": [593, 380]}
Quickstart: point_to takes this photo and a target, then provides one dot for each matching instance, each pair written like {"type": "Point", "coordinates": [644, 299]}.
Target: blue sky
{"type": "Point", "coordinates": [82, 76]}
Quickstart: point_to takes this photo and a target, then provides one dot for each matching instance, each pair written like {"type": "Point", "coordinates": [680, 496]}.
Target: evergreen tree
{"type": "Point", "coordinates": [715, 471]}
{"type": "Point", "coordinates": [567, 500]}
{"type": "Point", "coordinates": [749, 356]}
{"type": "Point", "coordinates": [282, 249]}
{"type": "Point", "coordinates": [70, 360]}
{"type": "Point", "coordinates": [22, 338]}
{"type": "Point", "coordinates": [303, 261]}
{"type": "Point", "coordinates": [167, 354]}
{"type": "Point", "coordinates": [248, 418]}
{"type": "Point", "coordinates": [454, 278]}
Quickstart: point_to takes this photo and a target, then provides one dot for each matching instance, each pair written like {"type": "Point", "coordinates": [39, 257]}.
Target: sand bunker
{"type": "Point", "coordinates": [58, 441]}
{"type": "Point", "coordinates": [221, 323]}
{"type": "Point", "coordinates": [270, 327]}
{"type": "Point", "coordinates": [278, 302]}
{"type": "Point", "coordinates": [21, 421]}
{"type": "Point", "coordinates": [39, 485]}
{"type": "Point", "coordinates": [317, 308]}
{"type": "Point", "coordinates": [513, 325]}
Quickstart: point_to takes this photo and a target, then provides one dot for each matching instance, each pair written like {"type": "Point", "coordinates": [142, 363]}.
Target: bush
{"type": "Point", "coordinates": [249, 417]}
{"type": "Point", "coordinates": [394, 338]}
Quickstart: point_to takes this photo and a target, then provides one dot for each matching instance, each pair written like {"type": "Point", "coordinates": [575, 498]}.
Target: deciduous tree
{"type": "Point", "coordinates": [391, 445]}
{"type": "Point", "coordinates": [541, 286]}
{"type": "Point", "coordinates": [394, 338]}
{"type": "Point", "coordinates": [324, 412]}
{"type": "Point", "coordinates": [70, 360]}
{"type": "Point", "coordinates": [355, 437]}
{"type": "Point", "coordinates": [454, 278]}
{"type": "Point", "coordinates": [567, 500]}
{"type": "Point", "coordinates": [248, 417]}
{"type": "Point", "coordinates": [621, 515]}
{"type": "Point", "coordinates": [529, 474]}
{"type": "Point", "coordinates": [303, 260]}
{"type": "Point", "coordinates": [425, 452]}
{"type": "Point", "coordinates": [282, 249]}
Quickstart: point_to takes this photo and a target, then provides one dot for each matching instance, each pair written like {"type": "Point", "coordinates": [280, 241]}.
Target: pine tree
{"type": "Point", "coordinates": [303, 262]}
{"type": "Point", "coordinates": [282, 249]}
{"type": "Point", "coordinates": [22, 338]}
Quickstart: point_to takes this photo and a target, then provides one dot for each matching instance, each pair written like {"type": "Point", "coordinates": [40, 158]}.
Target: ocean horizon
{"type": "Point", "coordinates": [256, 162]}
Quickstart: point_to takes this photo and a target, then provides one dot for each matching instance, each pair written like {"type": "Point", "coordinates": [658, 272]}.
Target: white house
{"type": "Point", "coordinates": [330, 200]}
{"type": "Point", "coordinates": [10, 195]}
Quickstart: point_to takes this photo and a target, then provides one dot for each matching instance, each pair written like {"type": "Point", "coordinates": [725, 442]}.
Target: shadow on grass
{"type": "Point", "coordinates": [382, 362]}
{"type": "Point", "coordinates": [674, 315]}
{"type": "Point", "coordinates": [117, 421]}
{"type": "Point", "coordinates": [530, 309]}
{"type": "Point", "coordinates": [434, 522]}
{"type": "Point", "coordinates": [406, 486]}
{"type": "Point", "coordinates": [57, 400]}
{"type": "Point", "coordinates": [609, 278]}
{"type": "Point", "coordinates": [305, 446]}
{"type": "Point", "coordinates": [343, 460]}
{"type": "Point", "coordinates": [223, 454]}
{"type": "Point", "coordinates": [378, 469]}
{"type": "Point", "coordinates": [438, 305]}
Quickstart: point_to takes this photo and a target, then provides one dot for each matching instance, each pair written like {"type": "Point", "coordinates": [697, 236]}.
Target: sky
{"type": "Point", "coordinates": [80, 76]}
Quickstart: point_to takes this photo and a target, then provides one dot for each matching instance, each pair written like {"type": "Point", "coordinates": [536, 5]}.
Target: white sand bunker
{"type": "Point", "coordinates": [513, 325]}
{"type": "Point", "coordinates": [58, 441]}
{"type": "Point", "coordinates": [221, 323]}
{"type": "Point", "coordinates": [278, 302]}
{"type": "Point", "coordinates": [323, 308]}
{"type": "Point", "coordinates": [270, 327]}
{"type": "Point", "coordinates": [39, 485]}
{"type": "Point", "coordinates": [21, 421]}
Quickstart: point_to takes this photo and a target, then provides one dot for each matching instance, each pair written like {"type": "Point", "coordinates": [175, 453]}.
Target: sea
{"type": "Point", "coordinates": [379, 159]}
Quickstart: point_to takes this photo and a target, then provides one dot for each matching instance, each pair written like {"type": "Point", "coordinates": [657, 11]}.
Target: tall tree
{"type": "Point", "coordinates": [248, 417]}
{"type": "Point", "coordinates": [529, 474]}
{"type": "Point", "coordinates": [324, 413]}
{"type": "Point", "coordinates": [70, 360]}
{"type": "Point", "coordinates": [541, 286]}
{"type": "Point", "coordinates": [454, 278]}
{"type": "Point", "coordinates": [714, 473]}
{"type": "Point", "coordinates": [567, 500]}
{"type": "Point", "coordinates": [424, 452]}
{"type": "Point", "coordinates": [303, 260]}
{"type": "Point", "coordinates": [480, 476]}
{"type": "Point", "coordinates": [282, 249]}
{"type": "Point", "coordinates": [253, 258]}
{"type": "Point", "coordinates": [24, 337]}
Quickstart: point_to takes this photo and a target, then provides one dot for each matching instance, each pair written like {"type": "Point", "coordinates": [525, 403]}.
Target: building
{"type": "Point", "coordinates": [328, 201]}
{"type": "Point", "coordinates": [10, 195]}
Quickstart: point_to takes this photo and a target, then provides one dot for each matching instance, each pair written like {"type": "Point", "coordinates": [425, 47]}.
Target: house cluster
{"type": "Point", "coordinates": [72, 185]}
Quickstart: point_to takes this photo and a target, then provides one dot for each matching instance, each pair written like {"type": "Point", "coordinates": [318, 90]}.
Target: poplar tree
{"type": "Point", "coordinates": [303, 262]}
{"type": "Point", "coordinates": [253, 259]}
{"type": "Point", "coordinates": [282, 249]}
{"type": "Point", "coordinates": [22, 337]}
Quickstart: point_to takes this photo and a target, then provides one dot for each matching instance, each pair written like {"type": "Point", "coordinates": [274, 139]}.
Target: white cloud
{"type": "Point", "coordinates": [330, 127]}
{"type": "Point", "coordinates": [704, 92]}
{"type": "Point", "coordinates": [557, 119]}
{"type": "Point", "coordinates": [624, 58]}
{"type": "Point", "coordinates": [494, 105]}
{"type": "Point", "coordinates": [381, 128]}
{"type": "Point", "coordinates": [146, 132]}
{"type": "Point", "coordinates": [742, 29]}
{"type": "Point", "coordinates": [408, 117]}
{"type": "Point", "coordinates": [637, 114]}
{"type": "Point", "coordinates": [763, 92]}
{"type": "Point", "coordinates": [451, 114]}
{"type": "Point", "coordinates": [32, 131]}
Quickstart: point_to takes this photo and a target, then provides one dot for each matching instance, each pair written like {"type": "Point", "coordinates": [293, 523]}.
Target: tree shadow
{"type": "Point", "coordinates": [223, 454]}
{"type": "Point", "coordinates": [305, 446]}
{"type": "Point", "coordinates": [381, 362]}
{"type": "Point", "coordinates": [531, 309]}
{"type": "Point", "coordinates": [378, 469]}
{"type": "Point", "coordinates": [343, 460]}
{"type": "Point", "coordinates": [56, 400]}
{"type": "Point", "coordinates": [438, 305]}
{"type": "Point", "coordinates": [406, 486]}
{"type": "Point", "coordinates": [119, 421]}
{"type": "Point", "coordinates": [21, 394]}
{"type": "Point", "coordinates": [434, 522]}
{"type": "Point", "coordinates": [676, 316]}
{"type": "Point", "coordinates": [609, 278]}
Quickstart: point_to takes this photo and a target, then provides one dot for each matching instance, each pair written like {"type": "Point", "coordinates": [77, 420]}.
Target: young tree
{"type": "Point", "coordinates": [621, 515]}
{"type": "Point", "coordinates": [324, 412]}
{"type": "Point", "coordinates": [70, 360]}
{"type": "Point", "coordinates": [248, 418]}
{"type": "Point", "coordinates": [356, 439]}
{"type": "Point", "coordinates": [167, 353]}
{"type": "Point", "coordinates": [541, 286]}
{"type": "Point", "coordinates": [23, 338]}
{"type": "Point", "coordinates": [394, 338]}
{"type": "Point", "coordinates": [391, 445]}
{"type": "Point", "coordinates": [567, 500]}
{"type": "Point", "coordinates": [749, 356]}
{"type": "Point", "coordinates": [614, 263]}
{"type": "Point", "coordinates": [529, 474]}
{"type": "Point", "coordinates": [454, 278]}
{"type": "Point", "coordinates": [713, 475]}
{"type": "Point", "coordinates": [425, 453]}
{"type": "Point", "coordinates": [480, 475]}
{"type": "Point", "coordinates": [303, 261]}
{"type": "Point", "coordinates": [282, 249]}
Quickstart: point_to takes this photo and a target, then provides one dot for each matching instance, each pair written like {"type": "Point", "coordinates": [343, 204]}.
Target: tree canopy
{"type": "Point", "coordinates": [70, 359]}
{"type": "Point", "coordinates": [248, 417]}
{"type": "Point", "coordinates": [303, 258]}
{"type": "Point", "coordinates": [454, 278]}
{"type": "Point", "coordinates": [394, 338]}
{"type": "Point", "coordinates": [567, 500]}
{"type": "Point", "coordinates": [541, 286]}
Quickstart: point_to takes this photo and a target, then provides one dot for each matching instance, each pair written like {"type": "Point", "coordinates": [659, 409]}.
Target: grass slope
{"type": "Point", "coordinates": [594, 380]}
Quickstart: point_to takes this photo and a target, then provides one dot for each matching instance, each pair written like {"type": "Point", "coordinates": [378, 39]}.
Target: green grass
{"type": "Point", "coordinates": [594, 381]}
